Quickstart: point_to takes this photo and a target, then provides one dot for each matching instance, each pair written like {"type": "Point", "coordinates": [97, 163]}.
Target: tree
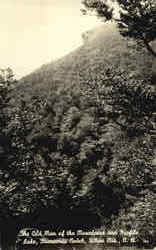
{"type": "Point", "coordinates": [135, 19]}
{"type": "Point", "coordinates": [60, 158]}
{"type": "Point", "coordinates": [48, 162]}
{"type": "Point", "coordinates": [140, 217]}
{"type": "Point", "coordinates": [128, 102]}
{"type": "Point", "coordinates": [18, 170]}
{"type": "Point", "coordinates": [79, 158]}
{"type": "Point", "coordinates": [128, 105]}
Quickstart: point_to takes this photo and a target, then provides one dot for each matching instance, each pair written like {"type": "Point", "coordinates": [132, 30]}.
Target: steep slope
{"type": "Point", "coordinates": [101, 45]}
{"type": "Point", "coordinates": [97, 165]}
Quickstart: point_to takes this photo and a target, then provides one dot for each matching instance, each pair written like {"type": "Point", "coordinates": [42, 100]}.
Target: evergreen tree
{"type": "Point", "coordinates": [135, 19]}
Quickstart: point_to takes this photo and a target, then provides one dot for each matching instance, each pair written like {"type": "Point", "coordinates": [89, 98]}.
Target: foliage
{"type": "Point", "coordinates": [79, 156]}
{"type": "Point", "coordinates": [129, 102]}
{"type": "Point", "coordinates": [128, 105]}
{"type": "Point", "coordinates": [56, 168]}
{"type": "Point", "coordinates": [70, 143]}
{"type": "Point", "coordinates": [19, 196]}
{"type": "Point", "coordinates": [139, 217]}
{"type": "Point", "coordinates": [135, 19]}
{"type": "Point", "coordinates": [105, 46]}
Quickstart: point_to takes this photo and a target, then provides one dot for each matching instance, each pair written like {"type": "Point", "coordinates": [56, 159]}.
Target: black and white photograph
{"type": "Point", "coordinates": [77, 124]}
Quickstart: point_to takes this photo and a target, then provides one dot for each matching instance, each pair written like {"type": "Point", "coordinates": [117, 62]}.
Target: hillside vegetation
{"type": "Point", "coordinates": [103, 45]}
{"type": "Point", "coordinates": [95, 164]}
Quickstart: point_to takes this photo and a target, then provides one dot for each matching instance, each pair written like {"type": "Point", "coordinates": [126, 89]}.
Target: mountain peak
{"type": "Point", "coordinates": [102, 45]}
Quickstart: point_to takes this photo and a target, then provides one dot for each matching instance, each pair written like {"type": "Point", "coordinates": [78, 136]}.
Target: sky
{"type": "Point", "coordinates": [36, 32]}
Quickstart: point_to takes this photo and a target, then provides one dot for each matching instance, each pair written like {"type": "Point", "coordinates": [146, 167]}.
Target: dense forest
{"type": "Point", "coordinates": [78, 140]}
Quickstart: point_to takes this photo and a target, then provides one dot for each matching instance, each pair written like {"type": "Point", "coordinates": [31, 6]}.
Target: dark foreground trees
{"type": "Point", "coordinates": [50, 166]}
{"type": "Point", "coordinates": [72, 160]}
{"type": "Point", "coordinates": [16, 160]}
{"type": "Point", "coordinates": [135, 19]}
{"type": "Point", "coordinates": [128, 105]}
{"type": "Point", "coordinates": [54, 163]}
{"type": "Point", "coordinates": [24, 188]}
{"type": "Point", "coordinates": [131, 104]}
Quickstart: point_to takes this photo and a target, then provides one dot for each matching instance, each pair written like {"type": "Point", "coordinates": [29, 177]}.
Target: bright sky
{"type": "Point", "coordinates": [35, 32]}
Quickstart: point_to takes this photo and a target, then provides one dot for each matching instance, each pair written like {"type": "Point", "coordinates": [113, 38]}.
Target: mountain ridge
{"type": "Point", "coordinates": [84, 141]}
{"type": "Point", "coordinates": [104, 45]}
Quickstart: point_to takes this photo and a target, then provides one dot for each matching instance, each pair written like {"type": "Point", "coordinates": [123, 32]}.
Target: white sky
{"type": "Point", "coordinates": [35, 32]}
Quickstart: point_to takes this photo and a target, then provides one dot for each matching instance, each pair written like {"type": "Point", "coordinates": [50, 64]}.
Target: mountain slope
{"type": "Point", "coordinates": [99, 165]}
{"type": "Point", "coordinates": [103, 45]}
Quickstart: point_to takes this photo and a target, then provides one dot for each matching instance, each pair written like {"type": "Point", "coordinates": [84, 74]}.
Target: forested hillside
{"type": "Point", "coordinates": [92, 156]}
{"type": "Point", "coordinates": [104, 45]}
